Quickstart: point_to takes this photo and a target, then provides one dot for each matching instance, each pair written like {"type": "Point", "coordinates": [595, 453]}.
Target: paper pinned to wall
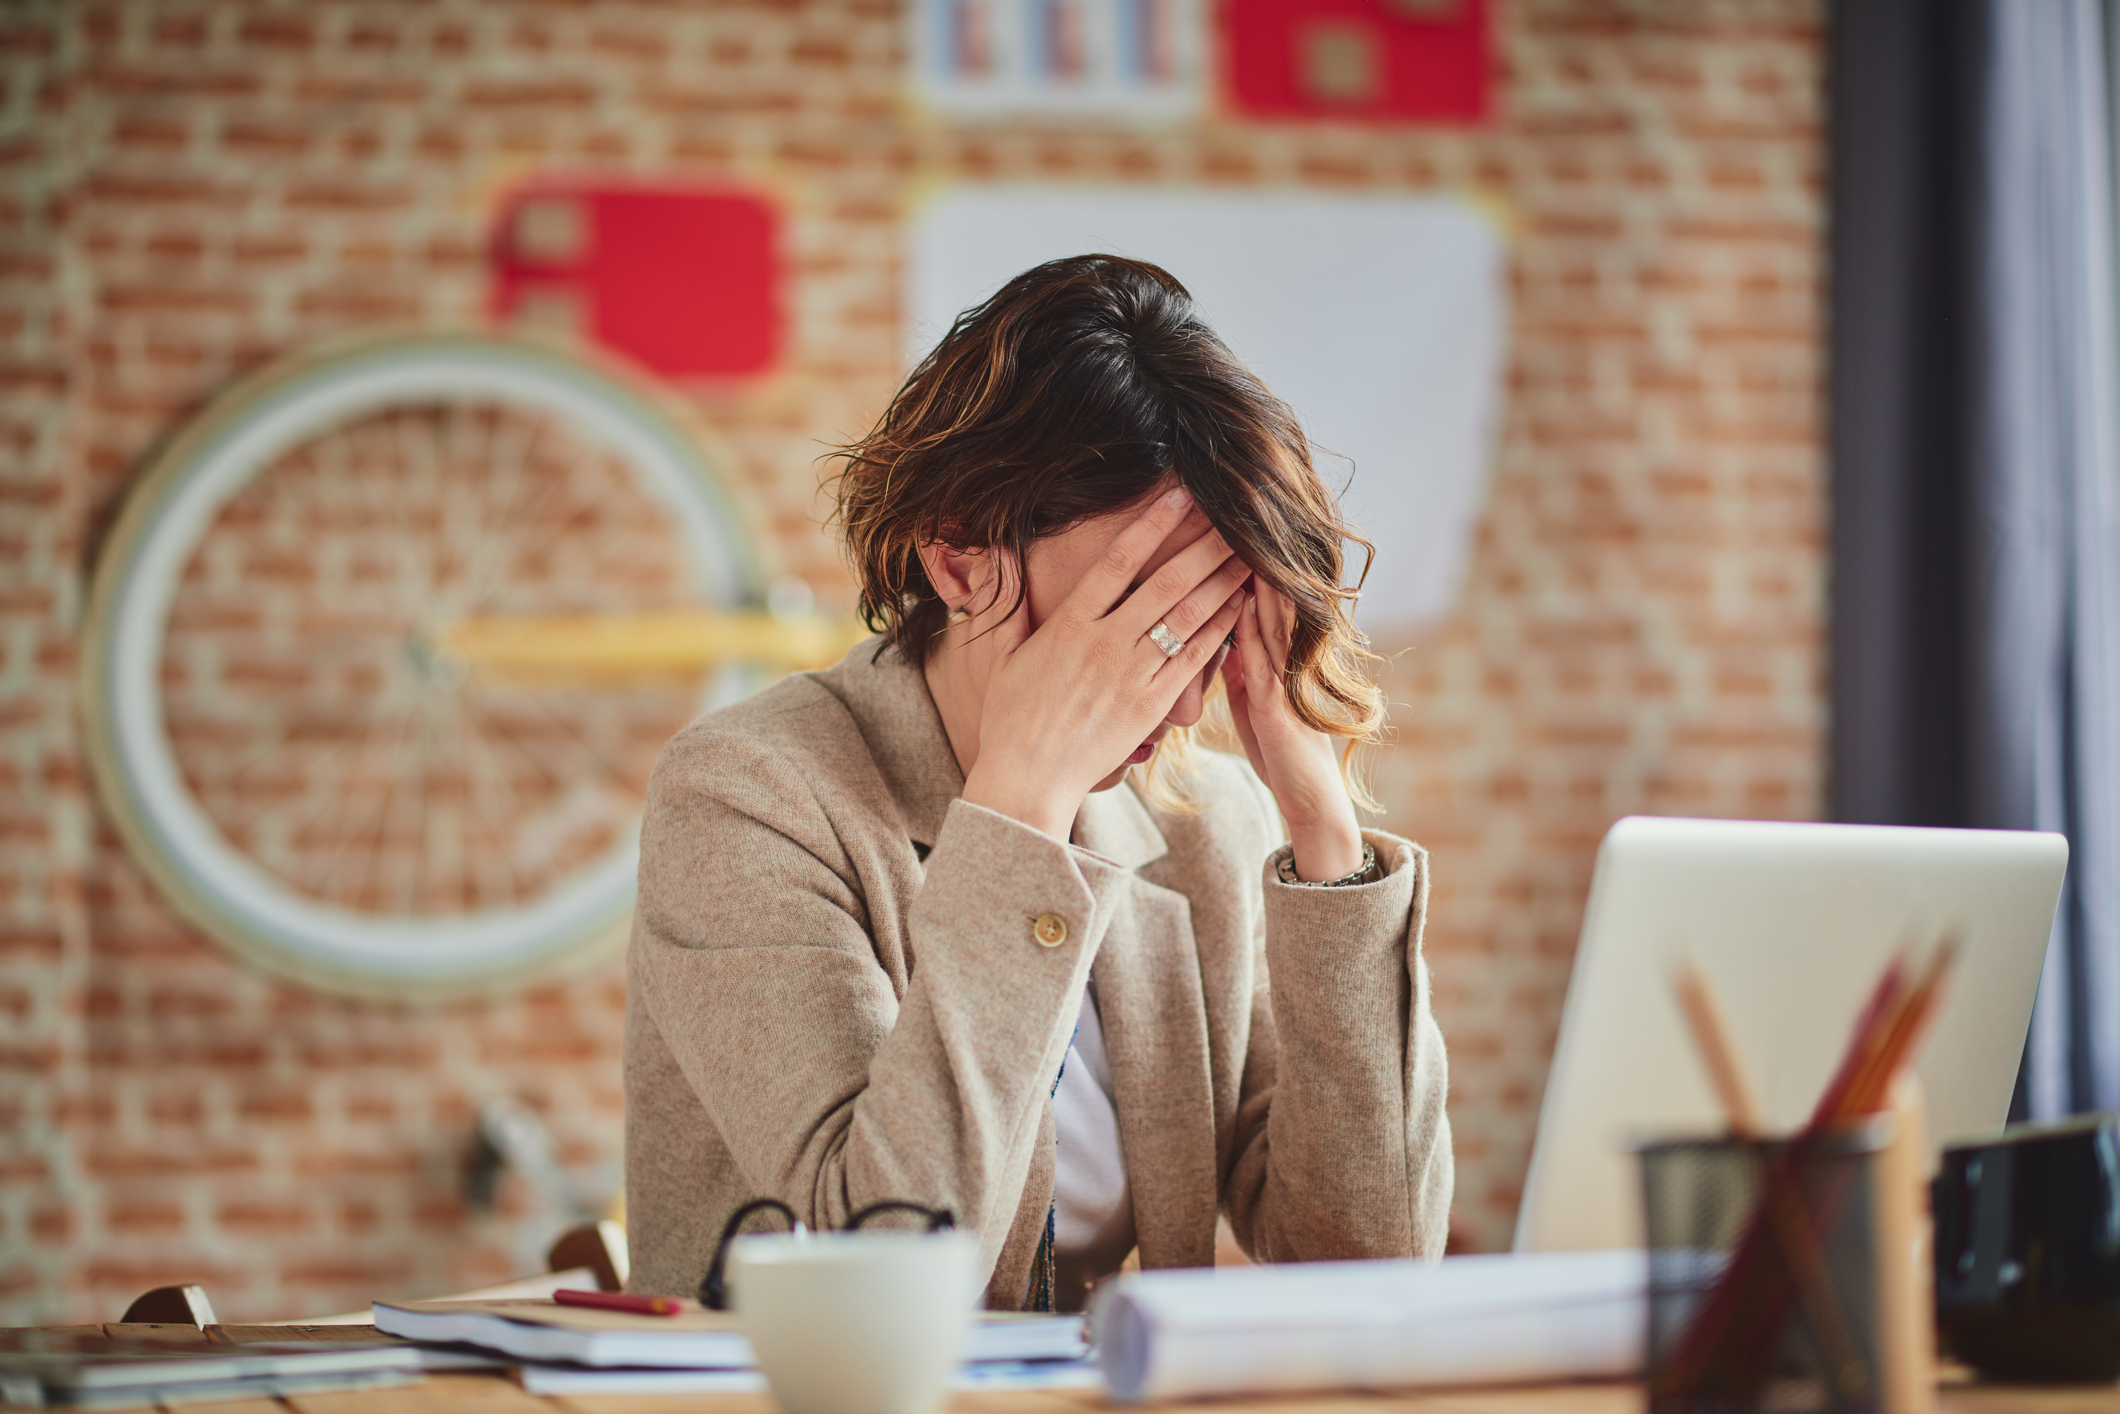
{"type": "Point", "coordinates": [1382, 319]}
{"type": "Point", "coordinates": [1134, 60]}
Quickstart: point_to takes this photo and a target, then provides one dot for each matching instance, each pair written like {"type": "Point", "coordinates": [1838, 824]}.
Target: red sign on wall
{"type": "Point", "coordinates": [1366, 60]}
{"type": "Point", "coordinates": [683, 280]}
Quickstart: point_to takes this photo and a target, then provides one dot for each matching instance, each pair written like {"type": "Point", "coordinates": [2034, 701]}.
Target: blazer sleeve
{"type": "Point", "coordinates": [1343, 1145]}
{"type": "Point", "coordinates": [753, 951]}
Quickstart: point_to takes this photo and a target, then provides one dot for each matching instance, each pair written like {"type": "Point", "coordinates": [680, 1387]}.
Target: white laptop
{"type": "Point", "coordinates": [1791, 925]}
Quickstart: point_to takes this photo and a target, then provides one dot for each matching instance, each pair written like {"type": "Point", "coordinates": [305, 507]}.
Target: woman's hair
{"type": "Point", "coordinates": [1073, 392]}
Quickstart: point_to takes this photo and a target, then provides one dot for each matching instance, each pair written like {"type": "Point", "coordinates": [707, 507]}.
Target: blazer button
{"type": "Point", "coordinates": [1050, 929]}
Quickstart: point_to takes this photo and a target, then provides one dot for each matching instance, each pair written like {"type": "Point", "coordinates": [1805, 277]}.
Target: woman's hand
{"type": "Point", "coordinates": [1066, 705]}
{"type": "Point", "coordinates": [1299, 764]}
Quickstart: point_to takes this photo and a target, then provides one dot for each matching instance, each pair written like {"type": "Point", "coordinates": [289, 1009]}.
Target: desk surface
{"type": "Point", "coordinates": [500, 1394]}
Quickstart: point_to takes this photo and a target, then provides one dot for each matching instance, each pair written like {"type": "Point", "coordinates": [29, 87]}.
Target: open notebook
{"type": "Point", "coordinates": [696, 1338]}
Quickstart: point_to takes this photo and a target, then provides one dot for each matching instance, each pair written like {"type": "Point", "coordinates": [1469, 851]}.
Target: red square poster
{"type": "Point", "coordinates": [1362, 60]}
{"type": "Point", "coordinates": [683, 280]}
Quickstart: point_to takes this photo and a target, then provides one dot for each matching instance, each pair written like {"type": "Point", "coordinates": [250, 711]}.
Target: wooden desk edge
{"type": "Point", "coordinates": [494, 1393]}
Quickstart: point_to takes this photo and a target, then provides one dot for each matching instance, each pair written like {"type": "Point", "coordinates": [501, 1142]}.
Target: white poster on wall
{"type": "Point", "coordinates": [1382, 319]}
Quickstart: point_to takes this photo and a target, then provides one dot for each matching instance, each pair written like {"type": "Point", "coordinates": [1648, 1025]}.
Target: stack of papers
{"type": "Point", "coordinates": [47, 1369]}
{"type": "Point", "coordinates": [1372, 1325]}
{"type": "Point", "coordinates": [584, 1350]}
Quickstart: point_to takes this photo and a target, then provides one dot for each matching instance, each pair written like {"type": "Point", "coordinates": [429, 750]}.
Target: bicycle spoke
{"type": "Point", "coordinates": [552, 485]}
{"type": "Point", "coordinates": [280, 743]}
{"type": "Point", "coordinates": [346, 836]}
{"type": "Point", "coordinates": [494, 532]}
{"type": "Point", "coordinates": [422, 759]}
{"type": "Point", "coordinates": [382, 828]}
{"type": "Point", "coordinates": [420, 490]}
{"type": "Point", "coordinates": [537, 762]}
{"type": "Point", "coordinates": [243, 824]}
{"type": "Point", "coordinates": [377, 502]}
{"type": "Point", "coordinates": [548, 536]}
{"type": "Point", "coordinates": [624, 781]}
{"type": "Point", "coordinates": [490, 777]}
{"type": "Point", "coordinates": [482, 802]}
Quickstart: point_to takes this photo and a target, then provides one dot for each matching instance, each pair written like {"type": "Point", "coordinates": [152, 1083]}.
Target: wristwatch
{"type": "Point", "coordinates": [1366, 874]}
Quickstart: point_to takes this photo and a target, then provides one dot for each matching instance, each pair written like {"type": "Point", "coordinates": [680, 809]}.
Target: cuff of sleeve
{"type": "Point", "coordinates": [1373, 915]}
{"type": "Point", "coordinates": [1394, 856]}
{"type": "Point", "coordinates": [998, 878]}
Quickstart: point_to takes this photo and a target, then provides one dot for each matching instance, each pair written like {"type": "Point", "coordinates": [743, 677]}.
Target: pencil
{"type": "Point", "coordinates": [1779, 1202]}
{"type": "Point", "coordinates": [1727, 1350]}
{"type": "Point", "coordinates": [1711, 1036]}
{"type": "Point", "coordinates": [620, 1301]}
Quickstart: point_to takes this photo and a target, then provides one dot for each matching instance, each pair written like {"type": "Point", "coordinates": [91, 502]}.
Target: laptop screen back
{"type": "Point", "coordinates": [1791, 924]}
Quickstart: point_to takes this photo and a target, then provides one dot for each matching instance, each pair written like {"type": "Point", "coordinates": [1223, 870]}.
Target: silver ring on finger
{"type": "Point", "coordinates": [1169, 642]}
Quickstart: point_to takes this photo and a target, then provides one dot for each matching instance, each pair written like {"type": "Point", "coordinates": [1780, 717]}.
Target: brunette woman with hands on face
{"type": "Point", "coordinates": [971, 920]}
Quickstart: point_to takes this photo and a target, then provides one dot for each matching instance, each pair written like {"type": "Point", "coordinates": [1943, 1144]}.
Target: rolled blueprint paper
{"type": "Point", "coordinates": [1372, 1325]}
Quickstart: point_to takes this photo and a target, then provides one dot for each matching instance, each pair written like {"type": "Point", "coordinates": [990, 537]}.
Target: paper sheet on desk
{"type": "Point", "coordinates": [991, 1375]}
{"type": "Point", "coordinates": [1372, 1325]}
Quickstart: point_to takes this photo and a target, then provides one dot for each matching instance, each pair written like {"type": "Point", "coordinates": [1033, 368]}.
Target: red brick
{"type": "Point", "coordinates": [540, 95]}
{"type": "Point", "coordinates": [180, 31]}
{"type": "Point", "coordinates": [344, 196]}
{"type": "Point", "coordinates": [276, 1106]}
{"type": "Point", "coordinates": [52, 1223]}
{"type": "Point", "coordinates": [265, 140]}
{"type": "Point", "coordinates": [264, 1219]}
{"type": "Point", "coordinates": [175, 81]}
{"type": "Point", "coordinates": [283, 33]}
{"type": "Point", "coordinates": [143, 1219]}
{"type": "Point", "coordinates": [647, 44]}
{"type": "Point", "coordinates": [144, 133]}
{"type": "Point", "coordinates": [357, 88]}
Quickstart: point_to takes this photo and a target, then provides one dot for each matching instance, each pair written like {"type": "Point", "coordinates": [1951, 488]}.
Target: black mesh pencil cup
{"type": "Point", "coordinates": [1762, 1274]}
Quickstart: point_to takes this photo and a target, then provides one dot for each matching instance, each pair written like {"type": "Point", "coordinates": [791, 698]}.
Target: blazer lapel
{"type": "Point", "coordinates": [1154, 1013]}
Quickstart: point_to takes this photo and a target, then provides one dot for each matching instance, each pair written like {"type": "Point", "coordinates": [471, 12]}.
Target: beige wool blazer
{"type": "Point", "coordinates": [836, 994]}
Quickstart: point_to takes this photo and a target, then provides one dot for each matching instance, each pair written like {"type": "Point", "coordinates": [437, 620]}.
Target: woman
{"type": "Point", "coordinates": [966, 920]}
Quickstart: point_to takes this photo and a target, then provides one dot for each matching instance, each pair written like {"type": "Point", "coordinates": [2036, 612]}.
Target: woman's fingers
{"type": "Point", "coordinates": [1264, 692]}
{"type": "Point", "coordinates": [1240, 673]}
{"type": "Point", "coordinates": [1162, 592]}
{"type": "Point", "coordinates": [1188, 662]}
{"type": "Point", "coordinates": [1188, 614]}
{"type": "Point", "coordinates": [1277, 625]}
{"type": "Point", "coordinates": [1253, 664]}
{"type": "Point", "coordinates": [1113, 575]}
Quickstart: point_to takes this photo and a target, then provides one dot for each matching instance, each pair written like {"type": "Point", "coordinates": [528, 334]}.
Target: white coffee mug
{"type": "Point", "coordinates": [856, 1322]}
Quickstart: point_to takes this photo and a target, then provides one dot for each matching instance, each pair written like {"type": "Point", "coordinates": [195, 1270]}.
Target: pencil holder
{"type": "Point", "coordinates": [1764, 1284]}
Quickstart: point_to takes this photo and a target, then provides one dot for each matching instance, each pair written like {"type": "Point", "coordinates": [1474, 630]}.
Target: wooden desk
{"type": "Point", "coordinates": [500, 1394]}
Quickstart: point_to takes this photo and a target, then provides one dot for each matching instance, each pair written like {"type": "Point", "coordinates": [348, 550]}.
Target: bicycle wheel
{"type": "Point", "coordinates": [278, 720]}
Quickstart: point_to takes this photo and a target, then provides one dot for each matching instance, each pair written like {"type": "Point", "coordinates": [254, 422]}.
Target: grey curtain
{"type": "Point", "coordinates": [1976, 463]}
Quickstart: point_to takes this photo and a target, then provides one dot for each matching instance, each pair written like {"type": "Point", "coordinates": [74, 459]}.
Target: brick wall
{"type": "Point", "coordinates": [193, 188]}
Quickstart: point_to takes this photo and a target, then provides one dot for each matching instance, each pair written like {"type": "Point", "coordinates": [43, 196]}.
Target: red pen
{"type": "Point", "coordinates": [620, 1301]}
